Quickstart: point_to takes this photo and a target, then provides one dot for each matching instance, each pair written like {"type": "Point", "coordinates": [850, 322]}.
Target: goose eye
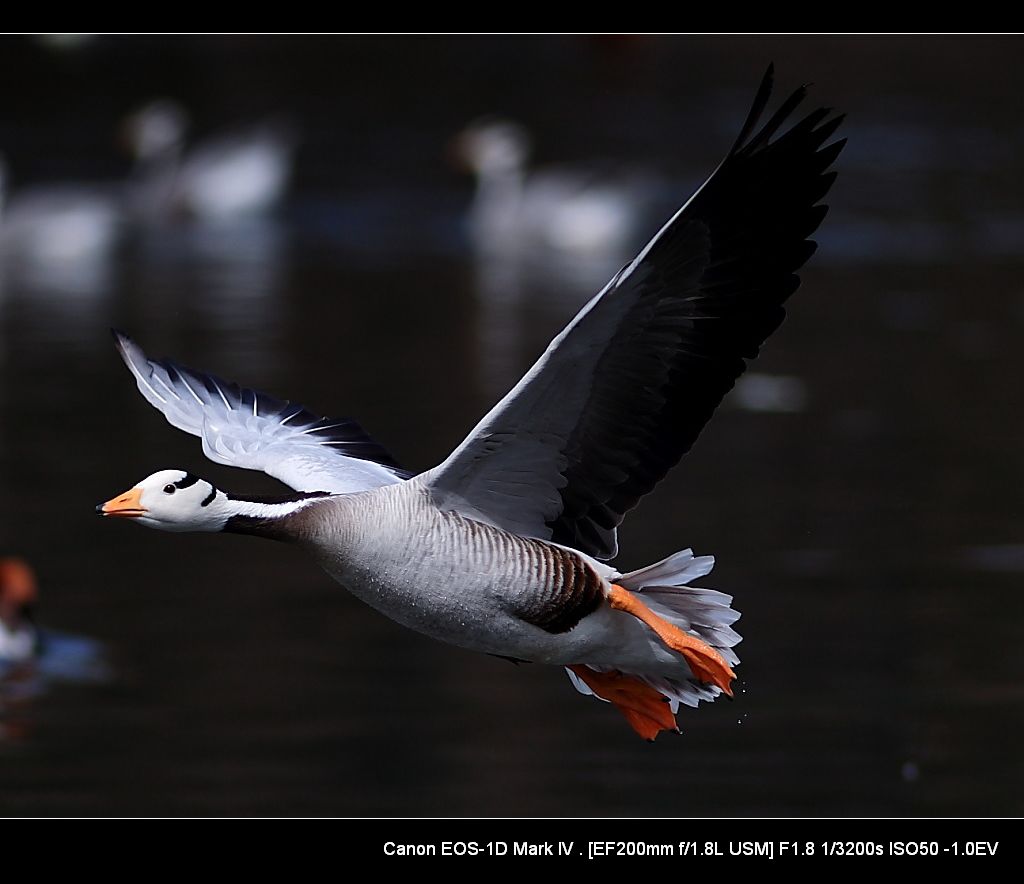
{"type": "Point", "coordinates": [168, 489]}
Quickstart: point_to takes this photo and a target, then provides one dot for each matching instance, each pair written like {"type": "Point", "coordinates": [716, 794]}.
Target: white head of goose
{"type": "Point", "coordinates": [502, 548]}
{"type": "Point", "coordinates": [177, 500]}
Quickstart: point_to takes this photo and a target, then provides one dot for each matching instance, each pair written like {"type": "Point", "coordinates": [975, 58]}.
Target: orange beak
{"type": "Point", "coordinates": [128, 505]}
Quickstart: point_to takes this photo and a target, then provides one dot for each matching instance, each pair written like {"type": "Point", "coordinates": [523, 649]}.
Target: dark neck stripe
{"type": "Point", "coordinates": [274, 526]}
{"type": "Point", "coordinates": [209, 497]}
{"type": "Point", "coordinates": [284, 526]}
{"type": "Point", "coordinates": [258, 526]}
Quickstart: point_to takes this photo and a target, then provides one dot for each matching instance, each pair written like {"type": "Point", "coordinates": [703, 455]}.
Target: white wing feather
{"type": "Point", "coordinates": [244, 428]}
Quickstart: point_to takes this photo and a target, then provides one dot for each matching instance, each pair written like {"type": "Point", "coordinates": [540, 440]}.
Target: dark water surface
{"type": "Point", "coordinates": [869, 527]}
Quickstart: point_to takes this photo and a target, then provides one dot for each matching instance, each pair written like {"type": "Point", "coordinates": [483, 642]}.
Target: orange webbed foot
{"type": "Point", "coordinates": [704, 661]}
{"type": "Point", "coordinates": [647, 711]}
{"type": "Point", "coordinates": [708, 665]}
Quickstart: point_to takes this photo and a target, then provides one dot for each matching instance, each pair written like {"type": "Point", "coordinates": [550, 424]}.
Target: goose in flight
{"type": "Point", "coordinates": [503, 547]}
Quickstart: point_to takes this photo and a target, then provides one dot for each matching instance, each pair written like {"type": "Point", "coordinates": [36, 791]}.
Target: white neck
{"type": "Point", "coordinates": [224, 512]}
{"type": "Point", "coordinates": [266, 518]}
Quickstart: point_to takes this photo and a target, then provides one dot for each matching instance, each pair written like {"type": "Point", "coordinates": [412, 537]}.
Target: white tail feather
{"type": "Point", "coordinates": [678, 569]}
{"type": "Point", "coordinates": [581, 685]}
{"type": "Point", "coordinates": [705, 613]}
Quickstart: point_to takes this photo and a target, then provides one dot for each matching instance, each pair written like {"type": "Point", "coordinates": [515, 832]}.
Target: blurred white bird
{"type": "Point", "coordinates": [232, 176]}
{"type": "Point", "coordinates": [574, 211]}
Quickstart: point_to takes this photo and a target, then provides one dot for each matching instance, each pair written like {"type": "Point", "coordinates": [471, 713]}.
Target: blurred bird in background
{"type": "Point", "coordinates": [19, 638]}
{"type": "Point", "coordinates": [235, 175]}
{"type": "Point", "coordinates": [569, 211]}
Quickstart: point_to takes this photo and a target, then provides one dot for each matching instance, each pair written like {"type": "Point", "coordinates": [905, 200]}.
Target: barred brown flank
{"type": "Point", "coordinates": [568, 590]}
{"type": "Point", "coordinates": [575, 591]}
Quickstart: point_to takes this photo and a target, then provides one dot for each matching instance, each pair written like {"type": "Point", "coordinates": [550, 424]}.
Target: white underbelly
{"type": "Point", "coordinates": [466, 609]}
{"type": "Point", "coordinates": [479, 588]}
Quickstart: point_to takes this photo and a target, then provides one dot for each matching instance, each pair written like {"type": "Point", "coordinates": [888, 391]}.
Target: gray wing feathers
{"type": "Point", "coordinates": [626, 389]}
{"type": "Point", "coordinates": [243, 428]}
{"type": "Point", "coordinates": [510, 470]}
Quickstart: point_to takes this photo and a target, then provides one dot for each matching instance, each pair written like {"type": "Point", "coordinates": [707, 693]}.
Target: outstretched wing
{"type": "Point", "coordinates": [622, 393]}
{"type": "Point", "coordinates": [244, 428]}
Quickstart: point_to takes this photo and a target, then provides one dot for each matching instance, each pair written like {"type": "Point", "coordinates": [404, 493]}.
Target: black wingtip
{"type": "Point", "coordinates": [764, 93]}
{"type": "Point", "coordinates": [751, 140]}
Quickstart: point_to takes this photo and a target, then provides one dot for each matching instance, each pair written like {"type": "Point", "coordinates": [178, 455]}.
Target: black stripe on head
{"type": "Point", "coordinates": [187, 481]}
{"type": "Point", "coordinates": [209, 497]}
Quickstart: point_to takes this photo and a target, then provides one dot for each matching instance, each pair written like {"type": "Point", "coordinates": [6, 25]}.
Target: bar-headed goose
{"type": "Point", "coordinates": [502, 547]}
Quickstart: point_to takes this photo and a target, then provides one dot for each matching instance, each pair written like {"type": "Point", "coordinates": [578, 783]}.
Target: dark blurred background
{"type": "Point", "coordinates": [861, 492]}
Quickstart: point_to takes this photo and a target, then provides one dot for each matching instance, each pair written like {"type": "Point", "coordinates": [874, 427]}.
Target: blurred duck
{"type": "Point", "coordinates": [19, 638]}
{"type": "Point", "coordinates": [560, 209]}
{"type": "Point", "coordinates": [58, 223]}
{"type": "Point", "coordinates": [222, 179]}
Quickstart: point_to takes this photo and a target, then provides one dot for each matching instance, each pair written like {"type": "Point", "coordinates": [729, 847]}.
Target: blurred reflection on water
{"type": "Point", "coordinates": [224, 279]}
{"type": "Point", "coordinates": [859, 493]}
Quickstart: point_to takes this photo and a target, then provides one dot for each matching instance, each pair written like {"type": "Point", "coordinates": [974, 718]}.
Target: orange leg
{"type": "Point", "coordinates": [705, 662]}
{"type": "Point", "coordinates": [647, 711]}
